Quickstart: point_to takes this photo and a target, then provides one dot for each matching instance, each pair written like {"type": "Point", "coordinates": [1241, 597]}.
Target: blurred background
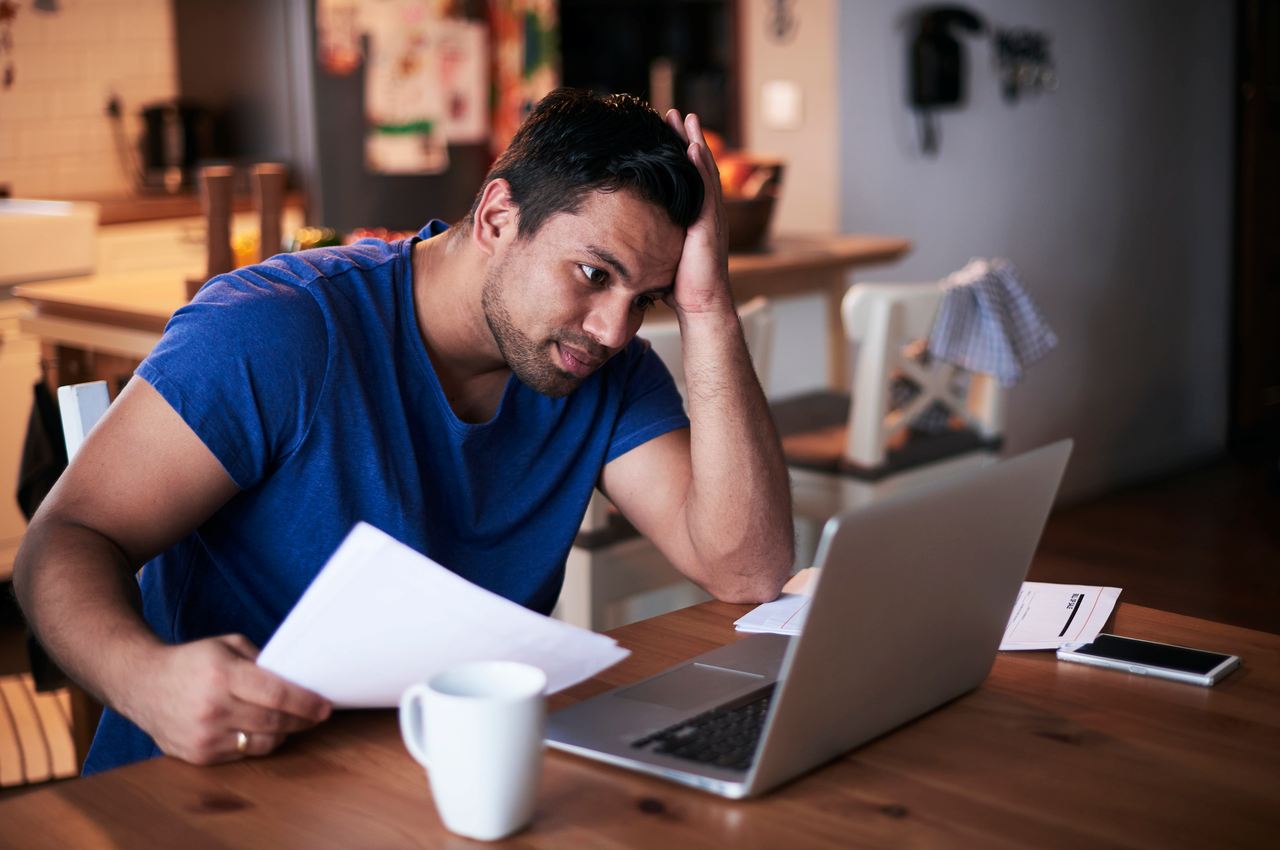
{"type": "Point", "coordinates": [1120, 154]}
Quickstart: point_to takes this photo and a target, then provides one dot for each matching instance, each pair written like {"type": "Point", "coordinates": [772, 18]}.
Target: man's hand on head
{"type": "Point", "coordinates": [702, 278]}
{"type": "Point", "coordinates": [196, 698]}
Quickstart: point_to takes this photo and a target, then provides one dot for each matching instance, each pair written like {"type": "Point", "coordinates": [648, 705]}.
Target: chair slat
{"type": "Point", "coordinates": [31, 737]}
{"type": "Point", "coordinates": [12, 765]}
{"type": "Point", "coordinates": [56, 723]}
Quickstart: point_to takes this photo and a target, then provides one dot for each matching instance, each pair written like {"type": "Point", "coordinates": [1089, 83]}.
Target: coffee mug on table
{"type": "Point", "coordinates": [477, 728]}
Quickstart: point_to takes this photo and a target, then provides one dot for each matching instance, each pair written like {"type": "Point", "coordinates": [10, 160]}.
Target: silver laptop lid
{"type": "Point", "coordinates": [913, 599]}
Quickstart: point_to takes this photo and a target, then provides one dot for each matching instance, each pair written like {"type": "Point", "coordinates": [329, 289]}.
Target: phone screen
{"type": "Point", "coordinates": [1153, 654]}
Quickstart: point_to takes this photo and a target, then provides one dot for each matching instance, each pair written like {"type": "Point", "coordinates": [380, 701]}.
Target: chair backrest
{"type": "Point", "coordinates": [757, 327]}
{"type": "Point", "coordinates": [664, 336]}
{"type": "Point", "coordinates": [81, 406]}
{"type": "Point", "coordinates": [915, 306]}
{"type": "Point", "coordinates": [886, 320]}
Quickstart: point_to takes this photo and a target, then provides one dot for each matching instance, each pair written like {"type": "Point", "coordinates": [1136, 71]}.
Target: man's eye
{"type": "Point", "coordinates": [644, 302]}
{"type": "Point", "coordinates": [593, 274]}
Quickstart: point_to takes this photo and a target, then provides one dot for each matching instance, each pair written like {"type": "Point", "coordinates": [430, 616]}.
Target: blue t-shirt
{"type": "Point", "coordinates": [308, 379]}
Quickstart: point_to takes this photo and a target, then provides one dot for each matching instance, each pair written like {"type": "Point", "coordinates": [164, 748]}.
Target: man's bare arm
{"type": "Point", "coordinates": [141, 482]}
{"type": "Point", "coordinates": [716, 499]}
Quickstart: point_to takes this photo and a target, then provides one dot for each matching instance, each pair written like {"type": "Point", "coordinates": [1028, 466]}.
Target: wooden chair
{"type": "Point", "coordinates": [36, 741]}
{"type": "Point", "coordinates": [46, 735]}
{"type": "Point", "coordinates": [613, 575]}
{"type": "Point", "coordinates": [847, 451]}
{"type": "Point", "coordinates": [757, 321]}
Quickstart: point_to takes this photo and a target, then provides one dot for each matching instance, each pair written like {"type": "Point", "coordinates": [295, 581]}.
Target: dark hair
{"type": "Point", "coordinates": [575, 142]}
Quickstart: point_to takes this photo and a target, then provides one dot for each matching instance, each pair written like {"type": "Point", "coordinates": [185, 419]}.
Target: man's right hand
{"type": "Point", "coordinates": [195, 698]}
{"type": "Point", "coordinates": [140, 483]}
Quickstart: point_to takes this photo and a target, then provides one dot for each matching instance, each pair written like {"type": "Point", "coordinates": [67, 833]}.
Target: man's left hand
{"type": "Point", "coordinates": [702, 278]}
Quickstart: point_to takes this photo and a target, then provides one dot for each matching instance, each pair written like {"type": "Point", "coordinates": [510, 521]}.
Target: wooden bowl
{"type": "Point", "coordinates": [751, 188]}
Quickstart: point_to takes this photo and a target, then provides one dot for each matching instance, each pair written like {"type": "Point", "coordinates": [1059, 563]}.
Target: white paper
{"type": "Point", "coordinates": [404, 105]}
{"type": "Point", "coordinates": [784, 615]}
{"type": "Point", "coordinates": [1047, 616]}
{"type": "Point", "coordinates": [381, 616]}
{"type": "Point", "coordinates": [464, 76]}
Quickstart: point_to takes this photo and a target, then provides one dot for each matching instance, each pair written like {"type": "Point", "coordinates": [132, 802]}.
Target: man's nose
{"type": "Point", "coordinates": [609, 322]}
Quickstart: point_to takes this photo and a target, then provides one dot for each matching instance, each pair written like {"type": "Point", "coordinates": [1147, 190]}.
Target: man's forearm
{"type": "Point", "coordinates": [79, 595]}
{"type": "Point", "coordinates": [738, 508]}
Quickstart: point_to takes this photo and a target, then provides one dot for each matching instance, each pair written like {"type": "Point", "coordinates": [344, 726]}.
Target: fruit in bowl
{"type": "Point", "coordinates": [751, 185]}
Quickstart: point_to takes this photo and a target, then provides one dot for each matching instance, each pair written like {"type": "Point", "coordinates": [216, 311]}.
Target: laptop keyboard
{"type": "Point", "coordinates": [724, 737]}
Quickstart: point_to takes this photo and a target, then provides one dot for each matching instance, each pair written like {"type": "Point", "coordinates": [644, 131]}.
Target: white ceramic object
{"type": "Point", "coordinates": [478, 728]}
{"type": "Point", "coordinates": [40, 240]}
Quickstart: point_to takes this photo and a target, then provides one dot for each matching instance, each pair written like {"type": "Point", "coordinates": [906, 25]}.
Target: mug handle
{"type": "Point", "coordinates": [411, 722]}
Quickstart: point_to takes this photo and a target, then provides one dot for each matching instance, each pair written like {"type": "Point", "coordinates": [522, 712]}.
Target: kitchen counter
{"type": "Point", "coordinates": [122, 210]}
{"type": "Point", "coordinates": [122, 316]}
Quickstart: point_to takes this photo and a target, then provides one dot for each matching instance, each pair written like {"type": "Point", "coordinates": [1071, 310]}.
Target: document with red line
{"type": "Point", "coordinates": [1047, 616]}
{"type": "Point", "coordinates": [784, 615]}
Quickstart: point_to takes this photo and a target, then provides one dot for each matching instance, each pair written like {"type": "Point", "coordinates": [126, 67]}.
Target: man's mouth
{"type": "Point", "coordinates": [576, 362]}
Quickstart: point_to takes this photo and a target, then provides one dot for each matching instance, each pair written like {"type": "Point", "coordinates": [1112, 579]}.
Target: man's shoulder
{"type": "Point", "coordinates": [306, 268]}
{"type": "Point", "coordinates": [301, 284]}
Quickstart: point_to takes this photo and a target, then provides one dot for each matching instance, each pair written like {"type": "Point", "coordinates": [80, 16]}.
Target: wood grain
{"type": "Point", "coordinates": [1042, 754]}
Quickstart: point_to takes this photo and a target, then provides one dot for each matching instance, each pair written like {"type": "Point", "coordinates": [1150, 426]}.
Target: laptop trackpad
{"type": "Point", "coordinates": [690, 686]}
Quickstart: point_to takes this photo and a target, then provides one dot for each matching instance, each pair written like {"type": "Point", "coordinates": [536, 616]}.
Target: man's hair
{"type": "Point", "coordinates": [575, 142]}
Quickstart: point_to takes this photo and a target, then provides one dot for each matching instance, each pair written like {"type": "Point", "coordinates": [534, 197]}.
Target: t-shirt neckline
{"type": "Point", "coordinates": [409, 318]}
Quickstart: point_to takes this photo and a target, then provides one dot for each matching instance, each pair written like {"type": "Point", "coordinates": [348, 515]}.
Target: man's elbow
{"type": "Point", "coordinates": [762, 584]}
{"type": "Point", "coordinates": [749, 591]}
{"type": "Point", "coordinates": [756, 595]}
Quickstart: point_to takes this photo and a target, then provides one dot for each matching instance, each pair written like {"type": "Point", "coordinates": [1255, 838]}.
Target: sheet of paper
{"type": "Point", "coordinates": [784, 615]}
{"type": "Point", "coordinates": [1046, 616]}
{"type": "Point", "coordinates": [380, 616]}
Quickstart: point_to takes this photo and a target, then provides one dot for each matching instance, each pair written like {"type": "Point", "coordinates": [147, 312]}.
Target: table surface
{"type": "Point", "coordinates": [146, 300]}
{"type": "Point", "coordinates": [1043, 754]}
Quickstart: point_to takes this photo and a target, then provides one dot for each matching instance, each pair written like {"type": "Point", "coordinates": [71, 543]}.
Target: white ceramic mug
{"type": "Point", "coordinates": [477, 728]}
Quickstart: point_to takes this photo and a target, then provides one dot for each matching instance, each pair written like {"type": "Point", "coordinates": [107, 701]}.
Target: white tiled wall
{"type": "Point", "coordinates": [55, 137]}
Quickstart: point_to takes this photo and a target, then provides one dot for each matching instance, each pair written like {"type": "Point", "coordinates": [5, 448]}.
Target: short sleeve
{"type": "Point", "coordinates": [244, 365]}
{"type": "Point", "coordinates": [651, 404]}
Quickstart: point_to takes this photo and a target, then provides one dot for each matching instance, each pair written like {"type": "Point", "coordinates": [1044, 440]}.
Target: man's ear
{"type": "Point", "coordinates": [496, 218]}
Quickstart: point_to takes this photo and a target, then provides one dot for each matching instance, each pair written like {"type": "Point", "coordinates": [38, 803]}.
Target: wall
{"type": "Point", "coordinates": [1112, 195]}
{"type": "Point", "coordinates": [55, 139]}
{"type": "Point", "coordinates": [810, 201]}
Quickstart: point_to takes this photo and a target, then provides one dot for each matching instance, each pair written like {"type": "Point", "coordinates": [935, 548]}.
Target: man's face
{"type": "Point", "coordinates": [563, 302]}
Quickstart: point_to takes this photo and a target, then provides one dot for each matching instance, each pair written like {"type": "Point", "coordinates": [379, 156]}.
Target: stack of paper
{"type": "Point", "coordinates": [784, 615]}
{"type": "Point", "coordinates": [381, 616]}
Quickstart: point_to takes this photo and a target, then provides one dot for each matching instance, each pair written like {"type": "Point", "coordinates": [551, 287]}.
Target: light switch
{"type": "Point", "coordinates": [782, 105]}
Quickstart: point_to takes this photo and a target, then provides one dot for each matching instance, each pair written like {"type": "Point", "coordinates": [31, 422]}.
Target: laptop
{"type": "Point", "coordinates": [908, 612]}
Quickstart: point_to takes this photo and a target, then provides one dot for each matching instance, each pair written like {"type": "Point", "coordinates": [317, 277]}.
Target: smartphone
{"type": "Point", "coordinates": [1148, 658]}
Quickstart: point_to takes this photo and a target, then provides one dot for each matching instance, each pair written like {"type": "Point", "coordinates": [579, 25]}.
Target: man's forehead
{"type": "Point", "coordinates": [634, 237]}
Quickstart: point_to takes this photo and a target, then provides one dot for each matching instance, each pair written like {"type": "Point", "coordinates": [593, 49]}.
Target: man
{"type": "Point", "coordinates": [463, 391]}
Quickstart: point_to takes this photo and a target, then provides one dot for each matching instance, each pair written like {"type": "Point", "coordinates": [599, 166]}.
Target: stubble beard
{"type": "Point", "coordinates": [530, 361]}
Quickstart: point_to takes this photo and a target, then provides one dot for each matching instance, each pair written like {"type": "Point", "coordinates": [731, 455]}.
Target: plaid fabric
{"type": "Point", "coordinates": [988, 323]}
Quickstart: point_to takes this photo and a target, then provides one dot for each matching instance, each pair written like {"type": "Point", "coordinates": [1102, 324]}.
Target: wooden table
{"type": "Point", "coordinates": [1043, 754]}
{"type": "Point", "coordinates": [104, 323]}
